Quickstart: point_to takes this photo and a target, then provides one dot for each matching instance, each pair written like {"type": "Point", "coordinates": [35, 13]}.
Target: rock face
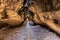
{"type": "Point", "coordinates": [9, 12]}
{"type": "Point", "coordinates": [46, 12]}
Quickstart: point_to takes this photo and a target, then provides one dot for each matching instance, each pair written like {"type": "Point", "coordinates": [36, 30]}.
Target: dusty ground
{"type": "Point", "coordinates": [27, 32]}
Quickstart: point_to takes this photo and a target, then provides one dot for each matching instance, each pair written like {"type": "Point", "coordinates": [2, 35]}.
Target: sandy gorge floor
{"type": "Point", "coordinates": [27, 32]}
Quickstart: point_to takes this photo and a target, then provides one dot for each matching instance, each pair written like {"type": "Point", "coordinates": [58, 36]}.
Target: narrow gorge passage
{"type": "Point", "coordinates": [28, 30]}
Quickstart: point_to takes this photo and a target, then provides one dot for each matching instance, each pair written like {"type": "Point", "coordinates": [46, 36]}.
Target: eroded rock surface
{"type": "Point", "coordinates": [9, 12]}
{"type": "Point", "coordinates": [46, 13]}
